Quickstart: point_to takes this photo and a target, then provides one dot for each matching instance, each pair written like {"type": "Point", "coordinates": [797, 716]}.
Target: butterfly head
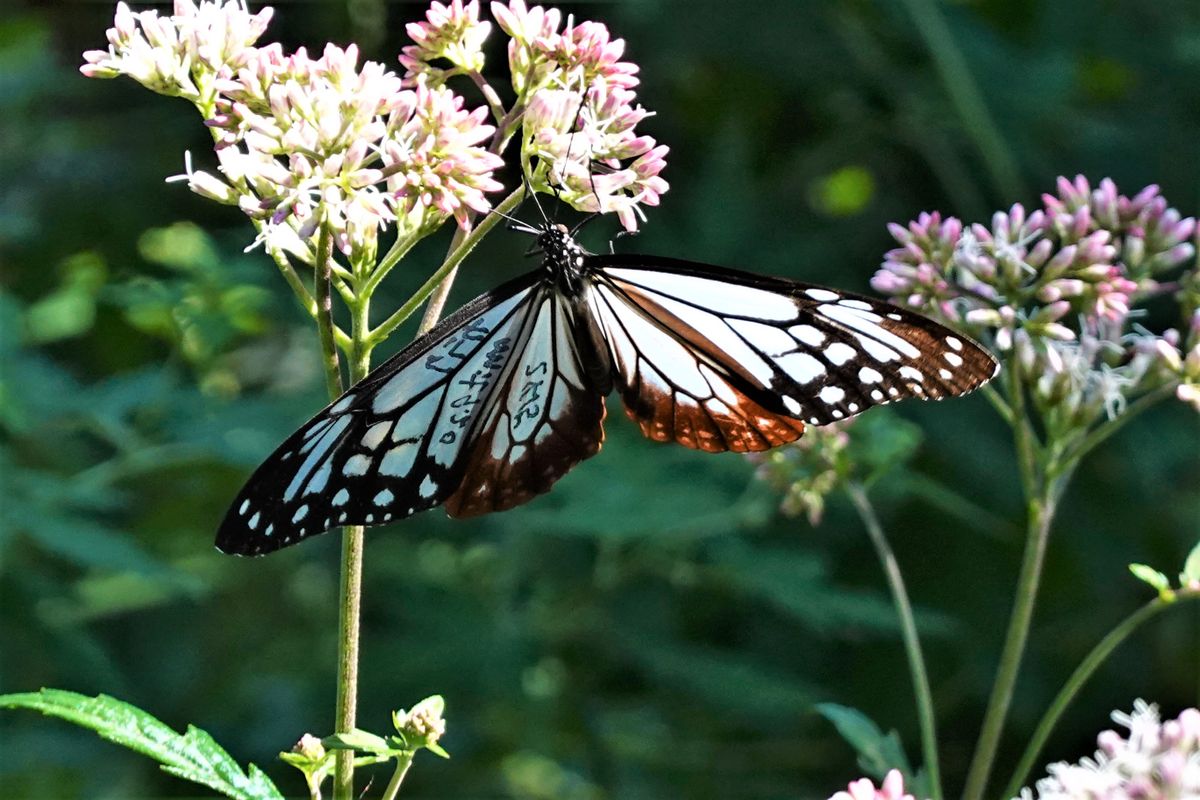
{"type": "Point", "coordinates": [562, 256]}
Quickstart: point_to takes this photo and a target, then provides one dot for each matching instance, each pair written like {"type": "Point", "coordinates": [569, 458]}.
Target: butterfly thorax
{"type": "Point", "coordinates": [563, 258]}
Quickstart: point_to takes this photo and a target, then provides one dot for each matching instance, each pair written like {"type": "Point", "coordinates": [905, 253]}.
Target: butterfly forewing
{"type": "Point", "coordinates": [793, 351]}
{"type": "Point", "coordinates": [392, 445]}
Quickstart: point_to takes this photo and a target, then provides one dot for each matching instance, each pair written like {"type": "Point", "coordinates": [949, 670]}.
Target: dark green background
{"type": "Point", "coordinates": [652, 628]}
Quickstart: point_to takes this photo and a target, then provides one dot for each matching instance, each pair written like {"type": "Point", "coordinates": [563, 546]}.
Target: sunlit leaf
{"type": "Point", "coordinates": [193, 755]}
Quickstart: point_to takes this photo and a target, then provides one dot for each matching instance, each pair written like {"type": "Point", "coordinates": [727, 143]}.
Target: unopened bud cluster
{"type": "Point", "coordinates": [1059, 289]}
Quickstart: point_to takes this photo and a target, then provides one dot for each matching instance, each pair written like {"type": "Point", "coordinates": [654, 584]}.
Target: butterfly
{"type": "Point", "coordinates": [504, 397]}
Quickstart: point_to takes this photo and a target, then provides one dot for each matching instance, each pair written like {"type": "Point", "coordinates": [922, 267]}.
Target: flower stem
{"type": "Point", "coordinates": [1041, 514]}
{"type": "Point", "coordinates": [350, 583]}
{"type": "Point", "coordinates": [908, 630]}
{"type": "Point", "coordinates": [324, 302]}
{"type": "Point", "coordinates": [403, 762]}
{"type": "Point", "coordinates": [448, 266]}
{"type": "Point", "coordinates": [1081, 675]}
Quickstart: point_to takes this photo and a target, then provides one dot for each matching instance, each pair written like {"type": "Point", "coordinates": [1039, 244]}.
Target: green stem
{"type": "Point", "coordinates": [1081, 675]}
{"type": "Point", "coordinates": [451, 263]}
{"type": "Point", "coordinates": [398, 250]}
{"type": "Point", "coordinates": [965, 95]}
{"type": "Point", "coordinates": [403, 762]}
{"type": "Point", "coordinates": [1042, 506]}
{"type": "Point", "coordinates": [908, 630]}
{"type": "Point", "coordinates": [350, 584]}
{"type": "Point", "coordinates": [324, 301]}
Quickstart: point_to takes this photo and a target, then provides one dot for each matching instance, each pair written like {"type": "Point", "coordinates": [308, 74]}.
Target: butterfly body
{"type": "Point", "coordinates": [506, 395]}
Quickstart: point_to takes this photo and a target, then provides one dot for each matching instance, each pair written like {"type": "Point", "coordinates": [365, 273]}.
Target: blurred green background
{"type": "Point", "coordinates": [653, 628]}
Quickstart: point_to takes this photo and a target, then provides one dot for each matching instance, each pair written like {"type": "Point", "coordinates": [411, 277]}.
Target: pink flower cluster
{"type": "Point", "coordinates": [172, 55]}
{"type": "Point", "coordinates": [1059, 288]}
{"type": "Point", "coordinates": [1156, 761]}
{"type": "Point", "coordinates": [594, 158]}
{"type": "Point", "coordinates": [304, 142]}
{"type": "Point", "coordinates": [892, 788]}
{"type": "Point", "coordinates": [539, 55]}
{"type": "Point", "coordinates": [453, 32]}
{"type": "Point", "coordinates": [576, 94]}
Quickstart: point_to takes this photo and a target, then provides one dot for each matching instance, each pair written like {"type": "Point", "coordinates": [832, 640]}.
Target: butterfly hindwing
{"type": "Point", "coordinates": [393, 444]}
{"type": "Point", "coordinates": [774, 351]}
{"type": "Point", "coordinates": [546, 416]}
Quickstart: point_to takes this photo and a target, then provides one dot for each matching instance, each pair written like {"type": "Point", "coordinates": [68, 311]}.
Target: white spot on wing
{"type": "Point", "coordinates": [859, 304]}
{"type": "Point", "coordinates": [832, 394]}
{"type": "Point", "coordinates": [954, 342]}
{"type": "Point", "coordinates": [428, 487]}
{"type": "Point", "coordinates": [807, 334]}
{"type": "Point", "coordinates": [356, 465]}
{"type": "Point", "coordinates": [839, 353]}
{"type": "Point", "coordinates": [802, 367]}
{"type": "Point", "coordinates": [341, 497]}
{"type": "Point", "coordinates": [868, 375]}
{"type": "Point", "coordinates": [822, 295]}
{"type": "Point", "coordinates": [792, 406]}
{"type": "Point", "coordinates": [253, 523]}
{"type": "Point", "coordinates": [300, 514]}
{"type": "Point", "coordinates": [953, 359]}
{"type": "Point", "coordinates": [244, 507]}
{"type": "Point", "coordinates": [399, 460]}
{"type": "Point", "coordinates": [384, 498]}
{"type": "Point", "coordinates": [343, 404]}
{"type": "Point", "coordinates": [375, 434]}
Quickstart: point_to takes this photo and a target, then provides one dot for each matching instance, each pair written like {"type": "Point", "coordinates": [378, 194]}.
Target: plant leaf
{"type": "Point", "coordinates": [357, 739]}
{"type": "Point", "coordinates": [877, 752]}
{"type": "Point", "coordinates": [193, 756]}
{"type": "Point", "coordinates": [1191, 567]}
{"type": "Point", "coordinates": [1151, 576]}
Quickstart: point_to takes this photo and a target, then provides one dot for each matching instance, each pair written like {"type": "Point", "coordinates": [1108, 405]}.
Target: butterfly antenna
{"type": "Point", "coordinates": [532, 193]}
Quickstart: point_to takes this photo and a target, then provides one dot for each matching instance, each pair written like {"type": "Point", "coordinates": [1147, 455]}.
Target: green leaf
{"type": "Point", "coordinates": [1149, 575]}
{"type": "Point", "coordinates": [357, 739]}
{"type": "Point", "coordinates": [877, 752]}
{"type": "Point", "coordinates": [1191, 567]}
{"type": "Point", "coordinates": [193, 756]}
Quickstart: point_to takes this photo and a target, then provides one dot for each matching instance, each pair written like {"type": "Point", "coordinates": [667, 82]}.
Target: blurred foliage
{"type": "Point", "coordinates": [652, 628]}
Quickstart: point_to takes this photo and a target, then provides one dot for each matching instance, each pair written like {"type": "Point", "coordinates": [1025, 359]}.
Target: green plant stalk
{"type": "Point", "coordinates": [403, 762]}
{"type": "Point", "coordinates": [908, 630]}
{"type": "Point", "coordinates": [1081, 675]}
{"type": "Point", "coordinates": [1042, 505]}
{"type": "Point", "coordinates": [451, 263]}
{"type": "Point", "coordinates": [350, 583]}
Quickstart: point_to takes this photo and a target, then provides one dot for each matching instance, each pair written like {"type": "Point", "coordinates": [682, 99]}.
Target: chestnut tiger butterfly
{"type": "Point", "coordinates": [505, 396]}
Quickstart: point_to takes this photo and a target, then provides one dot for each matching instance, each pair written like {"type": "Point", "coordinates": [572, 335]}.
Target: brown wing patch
{"type": "Point", "coordinates": [675, 395]}
{"type": "Point", "coordinates": [499, 482]}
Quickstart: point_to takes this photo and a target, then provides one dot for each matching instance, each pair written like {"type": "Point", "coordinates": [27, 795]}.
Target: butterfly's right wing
{"type": "Point", "coordinates": [718, 359]}
{"type": "Point", "coordinates": [396, 442]}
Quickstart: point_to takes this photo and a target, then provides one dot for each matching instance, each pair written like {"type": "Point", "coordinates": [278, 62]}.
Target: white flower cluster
{"type": "Point", "coordinates": [1157, 761]}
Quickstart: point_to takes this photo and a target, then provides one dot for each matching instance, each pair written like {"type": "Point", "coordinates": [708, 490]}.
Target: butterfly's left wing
{"type": "Point", "coordinates": [719, 359]}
